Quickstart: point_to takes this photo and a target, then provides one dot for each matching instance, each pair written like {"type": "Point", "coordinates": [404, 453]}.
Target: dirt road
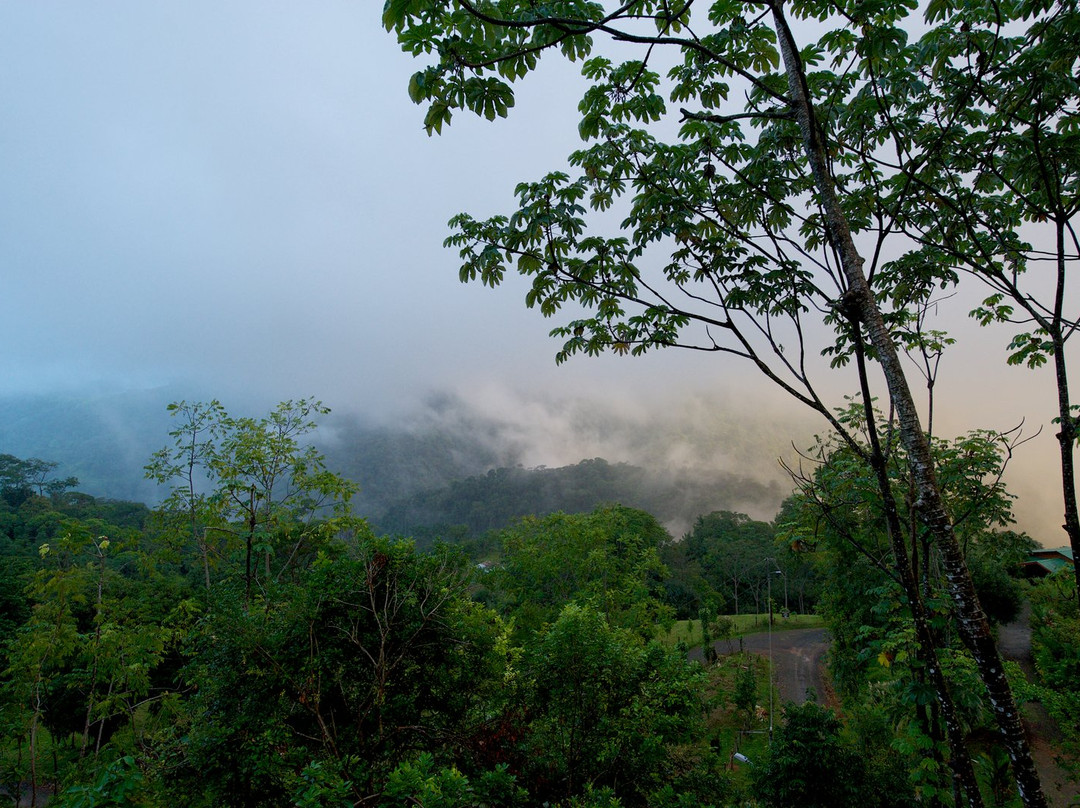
{"type": "Point", "coordinates": [1014, 642]}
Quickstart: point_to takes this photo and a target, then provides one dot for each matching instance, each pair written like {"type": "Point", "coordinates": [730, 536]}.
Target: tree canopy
{"type": "Point", "coordinates": [756, 207]}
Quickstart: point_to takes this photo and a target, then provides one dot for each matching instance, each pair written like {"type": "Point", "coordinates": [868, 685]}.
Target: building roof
{"type": "Point", "coordinates": [1048, 561]}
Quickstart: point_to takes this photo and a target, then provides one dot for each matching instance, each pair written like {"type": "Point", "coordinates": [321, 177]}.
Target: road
{"type": "Point", "coordinates": [798, 666]}
{"type": "Point", "coordinates": [1014, 642]}
{"type": "Point", "coordinates": [797, 660]}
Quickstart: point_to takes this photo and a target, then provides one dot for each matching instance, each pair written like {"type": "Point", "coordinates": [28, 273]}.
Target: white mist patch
{"type": "Point", "coordinates": [681, 430]}
{"type": "Point", "coordinates": [695, 441]}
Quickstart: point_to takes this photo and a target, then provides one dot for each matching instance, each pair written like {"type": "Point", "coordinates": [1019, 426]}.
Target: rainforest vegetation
{"type": "Point", "coordinates": [253, 642]}
{"type": "Point", "coordinates": [776, 182]}
{"type": "Point", "coordinates": [793, 185]}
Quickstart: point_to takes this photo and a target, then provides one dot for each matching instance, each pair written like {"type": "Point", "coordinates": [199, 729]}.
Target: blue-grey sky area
{"type": "Point", "coordinates": [239, 198]}
{"type": "Point", "coordinates": [240, 191]}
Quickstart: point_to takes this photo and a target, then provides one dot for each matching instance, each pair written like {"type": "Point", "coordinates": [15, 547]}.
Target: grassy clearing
{"type": "Point", "coordinates": [689, 631]}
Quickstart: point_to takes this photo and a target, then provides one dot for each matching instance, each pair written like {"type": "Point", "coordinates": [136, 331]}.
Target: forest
{"type": "Point", "coordinates": [799, 187]}
{"type": "Point", "coordinates": [795, 186]}
{"type": "Point", "coordinates": [252, 641]}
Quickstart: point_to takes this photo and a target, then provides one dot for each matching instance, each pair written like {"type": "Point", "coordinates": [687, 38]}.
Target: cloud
{"type": "Point", "coordinates": [239, 199]}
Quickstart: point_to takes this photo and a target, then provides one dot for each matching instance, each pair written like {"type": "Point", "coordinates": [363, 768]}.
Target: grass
{"type": "Point", "coordinates": [689, 631]}
{"type": "Point", "coordinates": [731, 728]}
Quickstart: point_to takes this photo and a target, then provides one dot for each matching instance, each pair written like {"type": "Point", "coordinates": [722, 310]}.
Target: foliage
{"type": "Point", "coordinates": [608, 711]}
{"type": "Point", "coordinates": [422, 783]}
{"type": "Point", "coordinates": [811, 765]}
{"type": "Point", "coordinates": [745, 695]}
{"type": "Point", "coordinates": [248, 485]}
{"type": "Point", "coordinates": [609, 558]}
{"type": "Point", "coordinates": [322, 787]}
{"type": "Point", "coordinates": [986, 179]}
{"type": "Point", "coordinates": [84, 662]}
{"type": "Point", "coordinates": [121, 784]}
{"type": "Point", "coordinates": [838, 513]}
{"type": "Point", "coordinates": [373, 652]}
{"type": "Point", "coordinates": [724, 563]}
{"type": "Point", "coordinates": [360, 671]}
{"type": "Point", "coordinates": [729, 628]}
{"type": "Point", "coordinates": [746, 222]}
{"type": "Point", "coordinates": [368, 674]}
{"type": "Point", "coordinates": [1056, 647]}
{"type": "Point", "coordinates": [886, 599]}
{"type": "Point", "coordinates": [494, 500]}
{"type": "Point", "coordinates": [19, 478]}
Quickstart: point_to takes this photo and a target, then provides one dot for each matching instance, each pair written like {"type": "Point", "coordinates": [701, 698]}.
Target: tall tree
{"type": "Point", "coordinates": [374, 653]}
{"type": "Point", "coordinates": [731, 549]}
{"type": "Point", "coordinates": [186, 465]}
{"type": "Point", "coordinates": [608, 557]}
{"type": "Point", "coordinates": [251, 481]}
{"type": "Point", "coordinates": [756, 206]}
{"type": "Point", "coordinates": [609, 712]}
{"type": "Point", "coordinates": [17, 475]}
{"type": "Point", "coordinates": [982, 171]}
{"type": "Point", "coordinates": [839, 511]}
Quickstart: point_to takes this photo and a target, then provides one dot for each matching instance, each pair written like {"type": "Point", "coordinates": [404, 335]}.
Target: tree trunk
{"type": "Point", "coordinates": [252, 524]}
{"type": "Point", "coordinates": [973, 626]}
{"type": "Point", "coordinates": [926, 649]}
{"type": "Point", "coordinates": [34, 719]}
{"type": "Point", "coordinates": [204, 548]}
{"type": "Point", "coordinates": [1066, 436]}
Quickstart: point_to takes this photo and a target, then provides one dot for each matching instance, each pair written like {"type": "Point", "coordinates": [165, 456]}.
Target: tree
{"type": "Point", "coordinates": [25, 476]}
{"type": "Point", "coordinates": [608, 711]}
{"type": "Point", "coordinates": [1056, 646]}
{"type": "Point", "coordinates": [608, 557]}
{"type": "Point", "coordinates": [982, 174]}
{"type": "Point", "coordinates": [48, 641]}
{"type": "Point", "coordinates": [810, 765]}
{"type": "Point", "coordinates": [740, 233]}
{"type": "Point", "coordinates": [83, 663]}
{"type": "Point", "coordinates": [374, 653]}
{"type": "Point", "coordinates": [263, 489]}
{"type": "Point", "coordinates": [745, 696]}
{"type": "Point", "coordinates": [885, 589]}
{"type": "Point", "coordinates": [731, 549]}
{"type": "Point", "coordinates": [186, 464]}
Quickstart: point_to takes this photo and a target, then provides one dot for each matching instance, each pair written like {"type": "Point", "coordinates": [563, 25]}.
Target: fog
{"type": "Point", "coordinates": [238, 200]}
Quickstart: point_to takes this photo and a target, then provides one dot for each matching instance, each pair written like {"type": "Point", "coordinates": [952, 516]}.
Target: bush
{"type": "Point", "coordinates": [810, 764]}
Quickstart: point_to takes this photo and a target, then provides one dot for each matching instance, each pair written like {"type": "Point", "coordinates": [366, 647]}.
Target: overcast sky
{"type": "Point", "coordinates": [240, 197]}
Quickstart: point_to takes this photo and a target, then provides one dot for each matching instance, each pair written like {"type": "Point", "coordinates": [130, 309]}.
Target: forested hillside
{"type": "Point", "coordinates": [445, 465]}
{"type": "Point", "coordinates": [500, 496]}
{"type": "Point", "coordinates": [253, 642]}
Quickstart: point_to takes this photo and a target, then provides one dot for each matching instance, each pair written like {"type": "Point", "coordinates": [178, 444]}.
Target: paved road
{"type": "Point", "coordinates": [797, 660]}
{"type": "Point", "coordinates": [798, 665]}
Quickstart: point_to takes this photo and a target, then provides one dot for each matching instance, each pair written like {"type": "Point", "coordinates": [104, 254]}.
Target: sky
{"type": "Point", "coordinates": [239, 198]}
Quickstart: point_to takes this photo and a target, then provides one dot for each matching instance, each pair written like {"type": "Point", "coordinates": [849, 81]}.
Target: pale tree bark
{"type": "Point", "coordinates": [926, 650]}
{"type": "Point", "coordinates": [973, 627]}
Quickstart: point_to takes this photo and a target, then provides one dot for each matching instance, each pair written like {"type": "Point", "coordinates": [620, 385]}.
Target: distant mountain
{"type": "Point", "coordinates": [495, 499]}
{"type": "Point", "coordinates": [392, 464]}
{"type": "Point", "coordinates": [448, 461]}
{"type": "Point", "coordinates": [104, 439]}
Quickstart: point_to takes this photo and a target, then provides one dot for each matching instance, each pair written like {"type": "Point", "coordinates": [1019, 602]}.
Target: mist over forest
{"type": "Point", "coordinates": [677, 460]}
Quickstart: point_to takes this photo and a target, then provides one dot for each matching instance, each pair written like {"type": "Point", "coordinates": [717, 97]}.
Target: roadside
{"type": "Point", "coordinates": [1014, 642]}
{"type": "Point", "coordinates": [798, 665]}
{"type": "Point", "coordinates": [689, 631]}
